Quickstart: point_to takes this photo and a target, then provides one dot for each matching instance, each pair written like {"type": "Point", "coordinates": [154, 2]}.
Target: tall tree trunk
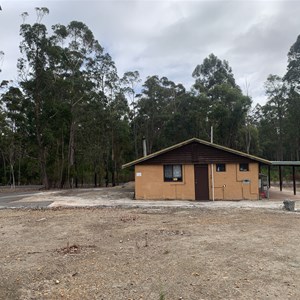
{"type": "Point", "coordinates": [4, 167]}
{"type": "Point", "coordinates": [42, 158]}
{"type": "Point", "coordinates": [19, 172]}
{"type": "Point", "coordinates": [62, 167]}
{"type": "Point", "coordinates": [118, 178]}
{"type": "Point", "coordinates": [37, 111]}
{"type": "Point", "coordinates": [95, 174]}
{"type": "Point", "coordinates": [42, 150]}
{"type": "Point", "coordinates": [113, 165]}
{"type": "Point", "coordinates": [71, 155]}
{"type": "Point", "coordinates": [12, 172]}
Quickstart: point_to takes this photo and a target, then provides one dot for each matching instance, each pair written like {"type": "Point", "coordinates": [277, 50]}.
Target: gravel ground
{"type": "Point", "coordinates": [122, 196]}
{"type": "Point", "coordinates": [165, 253]}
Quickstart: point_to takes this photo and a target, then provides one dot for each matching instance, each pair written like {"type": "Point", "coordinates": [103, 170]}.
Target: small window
{"type": "Point", "coordinates": [172, 173]}
{"type": "Point", "coordinates": [220, 167]}
{"type": "Point", "coordinates": [244, 167]}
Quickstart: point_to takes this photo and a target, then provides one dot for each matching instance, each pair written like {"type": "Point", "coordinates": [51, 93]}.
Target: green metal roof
{"type": "Point", "coordinates": [286, 163]}
{"type": "Point", "coordinates": [144, 158]}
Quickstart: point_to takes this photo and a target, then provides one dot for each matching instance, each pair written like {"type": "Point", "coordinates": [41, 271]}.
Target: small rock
{"type": "Point", "coordinates": [42, 219]}
{"type": "Point", "coordinates": [56, 281]}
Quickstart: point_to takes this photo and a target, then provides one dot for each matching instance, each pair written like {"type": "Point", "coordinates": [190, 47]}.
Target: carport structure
{"type": "Point", "coordinates": [281, 164]}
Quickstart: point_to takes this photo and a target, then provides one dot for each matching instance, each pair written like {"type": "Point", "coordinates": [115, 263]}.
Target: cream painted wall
{"type": "Point", "coordinates": [229, 185]}
{"type": "Point", "coordinates": [150, 184]}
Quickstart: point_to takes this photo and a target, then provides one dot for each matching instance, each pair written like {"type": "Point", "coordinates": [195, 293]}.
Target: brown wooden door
{"type": "Point", "coordinates": [201, 182]}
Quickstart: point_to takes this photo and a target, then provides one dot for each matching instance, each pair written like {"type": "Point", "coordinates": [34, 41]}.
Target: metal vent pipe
{"type": "Point", "coordinates": [144, 147]}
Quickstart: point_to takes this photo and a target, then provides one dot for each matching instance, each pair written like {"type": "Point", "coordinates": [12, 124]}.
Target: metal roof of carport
{"type": "Point", "coordinates": [286, 163]}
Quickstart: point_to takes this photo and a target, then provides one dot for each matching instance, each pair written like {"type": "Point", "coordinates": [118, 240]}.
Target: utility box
{"type": "Point", "coordinates": [289, 205]}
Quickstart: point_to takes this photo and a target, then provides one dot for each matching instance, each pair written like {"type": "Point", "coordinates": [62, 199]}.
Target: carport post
{"type": "Point", "coordinates": [294, 180]}
{"type": "Point", "coordinates": [269, 175]}
{"type": "Point", "coordinates": [280, 179]}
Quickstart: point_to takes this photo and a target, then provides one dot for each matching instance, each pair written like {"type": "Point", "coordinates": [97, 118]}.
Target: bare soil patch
{"type": "Point", "coordinates": [173, 253]}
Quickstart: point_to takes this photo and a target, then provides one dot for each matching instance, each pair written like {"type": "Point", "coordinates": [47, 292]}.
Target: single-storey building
{"type": "Point", "coordinates": [197, 170]}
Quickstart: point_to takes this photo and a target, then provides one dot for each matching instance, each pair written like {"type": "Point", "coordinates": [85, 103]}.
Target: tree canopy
{"type": "Point", "coordinates": [72, 120]}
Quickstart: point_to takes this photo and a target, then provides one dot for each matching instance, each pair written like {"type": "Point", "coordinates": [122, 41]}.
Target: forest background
{"type": "Point", "coordinates": [71, 120]}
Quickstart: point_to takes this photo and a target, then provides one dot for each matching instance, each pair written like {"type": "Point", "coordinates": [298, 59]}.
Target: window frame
{"type": "Point", "coordinates": [218, 170]}
{"type": "Point", "coordinates": [243, 169]}
{"type": "Point", "coordinates": [173, 178]}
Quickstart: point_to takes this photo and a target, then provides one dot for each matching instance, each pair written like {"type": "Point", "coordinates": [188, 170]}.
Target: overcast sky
{"type": "Point", "coordinates": [169, 38]}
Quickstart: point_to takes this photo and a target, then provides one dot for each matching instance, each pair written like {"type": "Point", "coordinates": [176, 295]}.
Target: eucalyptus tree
{"type": "Point", "coordinates": [189, 119]}
{"type": "Point", "coordinates": [89, 76]}
{"type": "Point", "coordinates": [156, 105]}
{"type": "Point", "coordinates": [292, 79]}
{"type": "Point", "coordinates": [15, 134]}
{"type": "Point", "coordinates": [249, 134]}
{"type": "Point", "coordinates": [62, 73]}
{"type": "Point", "coordinates": [81, 44]}
{"type": "Point", "coordinates": [129, 81]}
{"type": "Point", "coordinates": [112, 119]}
{"type": "Point", "coordinates": [227, 106]}
{"type": "Point", "coordinates": [275, 112]}
{"type": "Point", "coordinates": [35, 81]}
{"type": "Point", "coordinates": [120, 133]}
{"type": "Point", "coordinates": [3, 144]}
{"type": "Point", "coordinates": [212, 72]}
{"type": "Point", "coordinates": [102, 72]}
{"type": "Point", "coordinates": [293, 67]}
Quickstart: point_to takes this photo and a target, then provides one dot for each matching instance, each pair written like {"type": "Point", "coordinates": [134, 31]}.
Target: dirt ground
{"type": "Point", "coordinates": [167, 253]}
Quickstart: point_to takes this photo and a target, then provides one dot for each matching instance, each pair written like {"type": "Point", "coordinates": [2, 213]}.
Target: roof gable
{"type": "Point", "coordinates": [196, 151]}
